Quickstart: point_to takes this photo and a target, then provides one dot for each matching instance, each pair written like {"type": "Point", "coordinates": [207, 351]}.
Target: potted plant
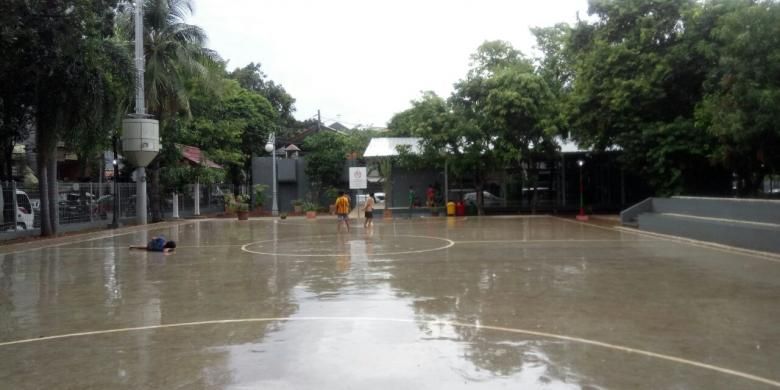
{"type": "Point", "coordinates": [260, 190]}
{"type": "Point", "coordinates": [297, 205]}
{"type": "Point", "coordinates": [239, 205]}
{"type": "Point", "coordinates": [311, 209]}
{"type": "Point", "coordinates": [242, 207]}
{"type": "Point", "coordinates": [331, 193]}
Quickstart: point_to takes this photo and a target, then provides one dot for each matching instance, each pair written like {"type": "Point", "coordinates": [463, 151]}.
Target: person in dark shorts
{"type": "Point", "coordinates": [369, 209]}
{"type": "Point", "coordinates": [342, 210]}
{"type": "Point", "coordinates": [157, 244]}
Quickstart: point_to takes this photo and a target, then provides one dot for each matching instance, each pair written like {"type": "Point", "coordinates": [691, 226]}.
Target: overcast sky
{"type": "Point", "coordinates": [361, 61]}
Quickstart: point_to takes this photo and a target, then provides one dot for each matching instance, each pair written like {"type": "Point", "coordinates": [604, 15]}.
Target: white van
{"type": "Point", "coordinates": [25, 215]}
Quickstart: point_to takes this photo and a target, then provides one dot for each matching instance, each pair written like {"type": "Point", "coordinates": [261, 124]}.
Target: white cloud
{"type": "Point", "coordinates": [361, 60]}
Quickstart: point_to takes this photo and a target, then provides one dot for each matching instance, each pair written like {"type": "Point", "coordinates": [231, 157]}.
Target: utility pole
{"type": "Point", "coordinates": [319, 121]}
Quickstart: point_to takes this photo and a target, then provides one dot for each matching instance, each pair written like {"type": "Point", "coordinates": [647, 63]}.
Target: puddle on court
{"type": "Point", "coordinates": [395, 314]}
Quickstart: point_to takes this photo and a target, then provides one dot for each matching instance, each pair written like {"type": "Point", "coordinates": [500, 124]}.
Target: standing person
{"type": "Point", "coordinates": [430, 194]}
{"type": "Point", "coordinates": [342, 210]}
{"type": "Point", "coordinates": [411, 200]}
{"type": "Point", "coordinates": [369, 209]}
{"type": "Point", "coordinates": [157, 244]}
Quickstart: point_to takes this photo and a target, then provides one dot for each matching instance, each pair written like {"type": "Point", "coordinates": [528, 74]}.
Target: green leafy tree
{"type": "Point", "coordinates": [252, 78]}
{"type": "Point", "coordinates": [474, 129]}
{"type": "Point", "coordinates": [231, 124]}
{"type": "Point", "coordinates": [742, 91]}
{"type": "Point", "coordinates": [62, 54]}
{"type": "Point", "coordinates": [326, 153]}
{"type": "Point", "coordinates": [637, 83]}
{"type": "Point", "coordinates": [521, 109]}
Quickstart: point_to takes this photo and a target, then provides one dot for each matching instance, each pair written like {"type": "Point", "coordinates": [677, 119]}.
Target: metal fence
{"type": "Point", "coordinates": [83, 206]}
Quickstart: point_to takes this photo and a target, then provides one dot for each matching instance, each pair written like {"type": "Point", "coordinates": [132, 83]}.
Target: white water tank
{"type": "Point", "coordinates": [140, 140]}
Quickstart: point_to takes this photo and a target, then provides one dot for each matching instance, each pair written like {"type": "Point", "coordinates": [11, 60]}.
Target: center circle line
{"type": "Point", "coordinates": [449, 244]}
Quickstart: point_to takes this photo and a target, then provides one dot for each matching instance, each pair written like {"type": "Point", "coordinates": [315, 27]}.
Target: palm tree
{"type": "Point", "coordinates": [175, 52]}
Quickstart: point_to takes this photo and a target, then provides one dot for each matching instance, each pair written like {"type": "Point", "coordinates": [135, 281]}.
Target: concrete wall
{"type": "Point", "coordinates": [293, 183]}
{"type": "Point", "coordinates": [746, 223]}
{"type": "Point", "coordinates": [743, 235]}
{"type": "Point", "coordinates": [757, 210]}
{"type": "Point", "coordinates": [419, 180]}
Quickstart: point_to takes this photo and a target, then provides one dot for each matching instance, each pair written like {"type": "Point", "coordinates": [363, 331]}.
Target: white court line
{"type": "Point", "coordinates": [126, 247]}
{"type": "Point", "coordinates": [532, 241]}
{"type": "Point", "coordinates": [450, 243]}
{"type": "Point", "coordinates": [682, 240]}
{"type": "Point", "coordinates": [615, 347]}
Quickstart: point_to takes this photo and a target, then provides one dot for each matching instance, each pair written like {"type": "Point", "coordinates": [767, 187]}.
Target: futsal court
{"type": "Point", "coordinates": [520, 302]}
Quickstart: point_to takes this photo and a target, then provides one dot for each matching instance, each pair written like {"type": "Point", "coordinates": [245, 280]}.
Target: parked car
{"type": "Point", "coordinates": [25, 215]}
{"type": "Point", "coordinates": [74, 208]}
{"type": "Point", "coordinates": [379, 198]}
{"type": "Point", "coordinates": [490, 200]}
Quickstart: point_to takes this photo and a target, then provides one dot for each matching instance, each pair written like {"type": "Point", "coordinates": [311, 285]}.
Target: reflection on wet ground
{"type": "Point", "coordinates": [435, 303]}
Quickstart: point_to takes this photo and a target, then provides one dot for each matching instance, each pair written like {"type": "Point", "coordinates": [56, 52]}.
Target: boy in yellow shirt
{"type": "Point", "coordinates": [342, 210]}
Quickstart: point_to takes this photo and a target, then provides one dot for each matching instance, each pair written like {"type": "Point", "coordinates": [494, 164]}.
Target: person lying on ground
{"type": "Point", "coordinates": [157, 244]}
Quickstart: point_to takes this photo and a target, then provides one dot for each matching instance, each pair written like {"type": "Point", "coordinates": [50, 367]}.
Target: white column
{"type": "Point", "coordinates": [140, 195]}
{"type": "Point", "coordinates": [196, 196]}
{"type": "Point", "coordinates": [175, 205]}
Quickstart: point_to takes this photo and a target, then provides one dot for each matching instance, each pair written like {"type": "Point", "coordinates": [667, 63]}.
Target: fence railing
{"type": "Point", "coordinates": [88, 205]}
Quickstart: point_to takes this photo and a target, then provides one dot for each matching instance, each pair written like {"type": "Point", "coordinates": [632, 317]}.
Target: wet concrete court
{"type": "Point", "coordinates": [524, 302]}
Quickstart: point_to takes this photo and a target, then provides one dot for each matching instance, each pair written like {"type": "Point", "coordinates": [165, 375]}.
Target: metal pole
{"type": "Point", "coordinates": [102, 169]}
{"type": "Point", "coordinates": [447, 184]}
{"type": "Point", "coordinates": [15, 205]}
{"type": "Point", "coordinates": [92, 203]}
{"type": "Point", "coordinates": [115, 217]}
{"type": "Point", "coordinates": [563, 180]}
{"type": "Point", "coordinates": [582, 201]}
{"type": "Point", "coordinates": [140, 106]}
{"type": "Point", "coordinates": [275, 204]}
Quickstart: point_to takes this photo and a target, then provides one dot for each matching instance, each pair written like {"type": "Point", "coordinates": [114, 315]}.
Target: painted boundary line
{"type": "Point", "coordinates": [702, 244]}
{"type": "Point", "coordinates": [724, 220]}
{"type": "Point", "coordinates": [579, 340]}
{"type": "Point", "coordinates": [543, 241]}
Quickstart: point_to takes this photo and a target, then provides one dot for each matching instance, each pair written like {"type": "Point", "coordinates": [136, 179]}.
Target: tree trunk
{"type": "Point", "coordinates": [43, 186]}
{"type": "Point", "coordinates": [154, 191]}
{"type": "Point", "coordinates": [8, 159]}
{"type": "Point", "coordinates": [53, 190]}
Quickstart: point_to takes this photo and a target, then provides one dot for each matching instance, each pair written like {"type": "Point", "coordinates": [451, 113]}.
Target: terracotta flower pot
{"type": "Point", "coordinates": [311, 214]}
{"type": "Point", "coordinates": [243, 215]}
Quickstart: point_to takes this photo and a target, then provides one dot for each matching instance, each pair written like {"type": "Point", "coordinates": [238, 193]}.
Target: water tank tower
{"type": "Point", "coordinates": [140, 134]}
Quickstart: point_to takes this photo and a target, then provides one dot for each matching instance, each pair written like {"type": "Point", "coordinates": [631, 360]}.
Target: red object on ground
{"type": "Point", "coordinates": [460, 209]}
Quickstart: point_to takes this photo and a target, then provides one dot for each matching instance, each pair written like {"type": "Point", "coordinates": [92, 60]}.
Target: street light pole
{"type": "Point", "coordinates": [115, 198]}
{"type": "Point", "coordinates": [270, 147]}
{"type": "Point", "coordinates": [581, 216]}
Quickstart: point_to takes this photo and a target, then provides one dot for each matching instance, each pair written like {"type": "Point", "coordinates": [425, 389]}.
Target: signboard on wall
{"type": "Point", "coordinates": [358, 178]}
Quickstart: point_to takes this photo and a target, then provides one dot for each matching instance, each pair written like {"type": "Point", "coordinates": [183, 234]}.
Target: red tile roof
{"type": "Point", "coordinates": [196, 156]}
